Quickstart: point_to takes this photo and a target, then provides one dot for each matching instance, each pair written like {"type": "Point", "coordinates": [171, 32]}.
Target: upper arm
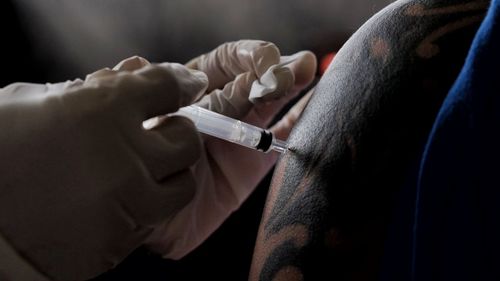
{"type": "Point", "coordinates": [328, 208]}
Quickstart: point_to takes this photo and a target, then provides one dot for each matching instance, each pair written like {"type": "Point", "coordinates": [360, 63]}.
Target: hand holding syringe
{"type": "Point", "coordinates": [233, 130]}
{"type": "Point", "coordinates": [225, 174]}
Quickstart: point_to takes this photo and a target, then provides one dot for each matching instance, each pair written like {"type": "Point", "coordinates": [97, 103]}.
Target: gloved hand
{"type": "Point", "coordinates": [82, 183]}
{"type": "Point", "coordinates": [227, 173]}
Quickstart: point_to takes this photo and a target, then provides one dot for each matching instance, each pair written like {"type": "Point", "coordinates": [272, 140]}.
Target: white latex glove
{"type": "Point", "coordinates": [228, 173]}
{"type": "Point", "coordinates": [82, 183]}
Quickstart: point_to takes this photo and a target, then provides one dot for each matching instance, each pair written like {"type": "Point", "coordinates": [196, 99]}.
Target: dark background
{"type": "Point", "coordinates": [52, 41]}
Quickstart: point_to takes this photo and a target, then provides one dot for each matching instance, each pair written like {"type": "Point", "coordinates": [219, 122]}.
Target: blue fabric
{"type": "Point", "coordinates": [456, 232]}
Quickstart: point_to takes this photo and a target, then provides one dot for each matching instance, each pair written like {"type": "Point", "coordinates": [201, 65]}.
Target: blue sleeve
{"type": "Point", "coordinates": [456, 233]}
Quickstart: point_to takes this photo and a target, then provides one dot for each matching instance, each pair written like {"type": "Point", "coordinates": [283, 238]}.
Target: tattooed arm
{"type": "Point", "coordinates": [328, 208]}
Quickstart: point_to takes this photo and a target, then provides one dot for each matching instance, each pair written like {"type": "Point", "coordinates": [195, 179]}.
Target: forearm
{"type": "Point", "coordinates": [328, 207]}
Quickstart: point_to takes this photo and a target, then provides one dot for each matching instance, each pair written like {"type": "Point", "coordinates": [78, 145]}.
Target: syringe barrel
{"type": "Point", "coordinates": [220, 126]}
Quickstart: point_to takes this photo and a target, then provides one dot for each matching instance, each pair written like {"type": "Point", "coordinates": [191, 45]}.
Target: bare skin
{"type": "Point", "coordinates": [328, 208]}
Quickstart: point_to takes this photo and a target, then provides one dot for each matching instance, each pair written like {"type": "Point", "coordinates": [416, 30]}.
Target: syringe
{"type": "Point", "coordinates": [229, 129]}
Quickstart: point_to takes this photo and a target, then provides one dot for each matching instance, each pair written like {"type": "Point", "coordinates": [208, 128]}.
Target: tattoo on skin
{"type": "Point", "coordinates": [329, 204]}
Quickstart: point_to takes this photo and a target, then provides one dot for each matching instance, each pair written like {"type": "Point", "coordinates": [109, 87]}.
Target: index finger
{"type": "Point", "coordinates": [229, 60]}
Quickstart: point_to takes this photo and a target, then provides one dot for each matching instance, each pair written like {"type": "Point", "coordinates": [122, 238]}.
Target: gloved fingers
{"type": "Point", "coordinates": [131, 64]}
{"type": "Point", "coordinates": [229, 60]}
{"type": "Point", "coordinates": [100, 74]}
{"type": "Point", "coordinates": [128, 64]}
{"type": "Point", "coordinates": [293, 72]}
{"type": "Point", "coordinates": [172, 145]}
{"type": "Point", "coordinates": [151, 91]}
{"type": "Point", "coordinates": [232, 100]}
{"type": "Point", "coordinates": [169, 86]}
{"type": "Point", "coordinates": [284, 126]}
{"type": "Point", "coordinates": [264, 113]}
{"type": "Point", "coordinates": [273, 85]}
{"type": "Point", "coordinates": [303, 66]}
{"type": "Point", "coordinates": [149, 204]}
